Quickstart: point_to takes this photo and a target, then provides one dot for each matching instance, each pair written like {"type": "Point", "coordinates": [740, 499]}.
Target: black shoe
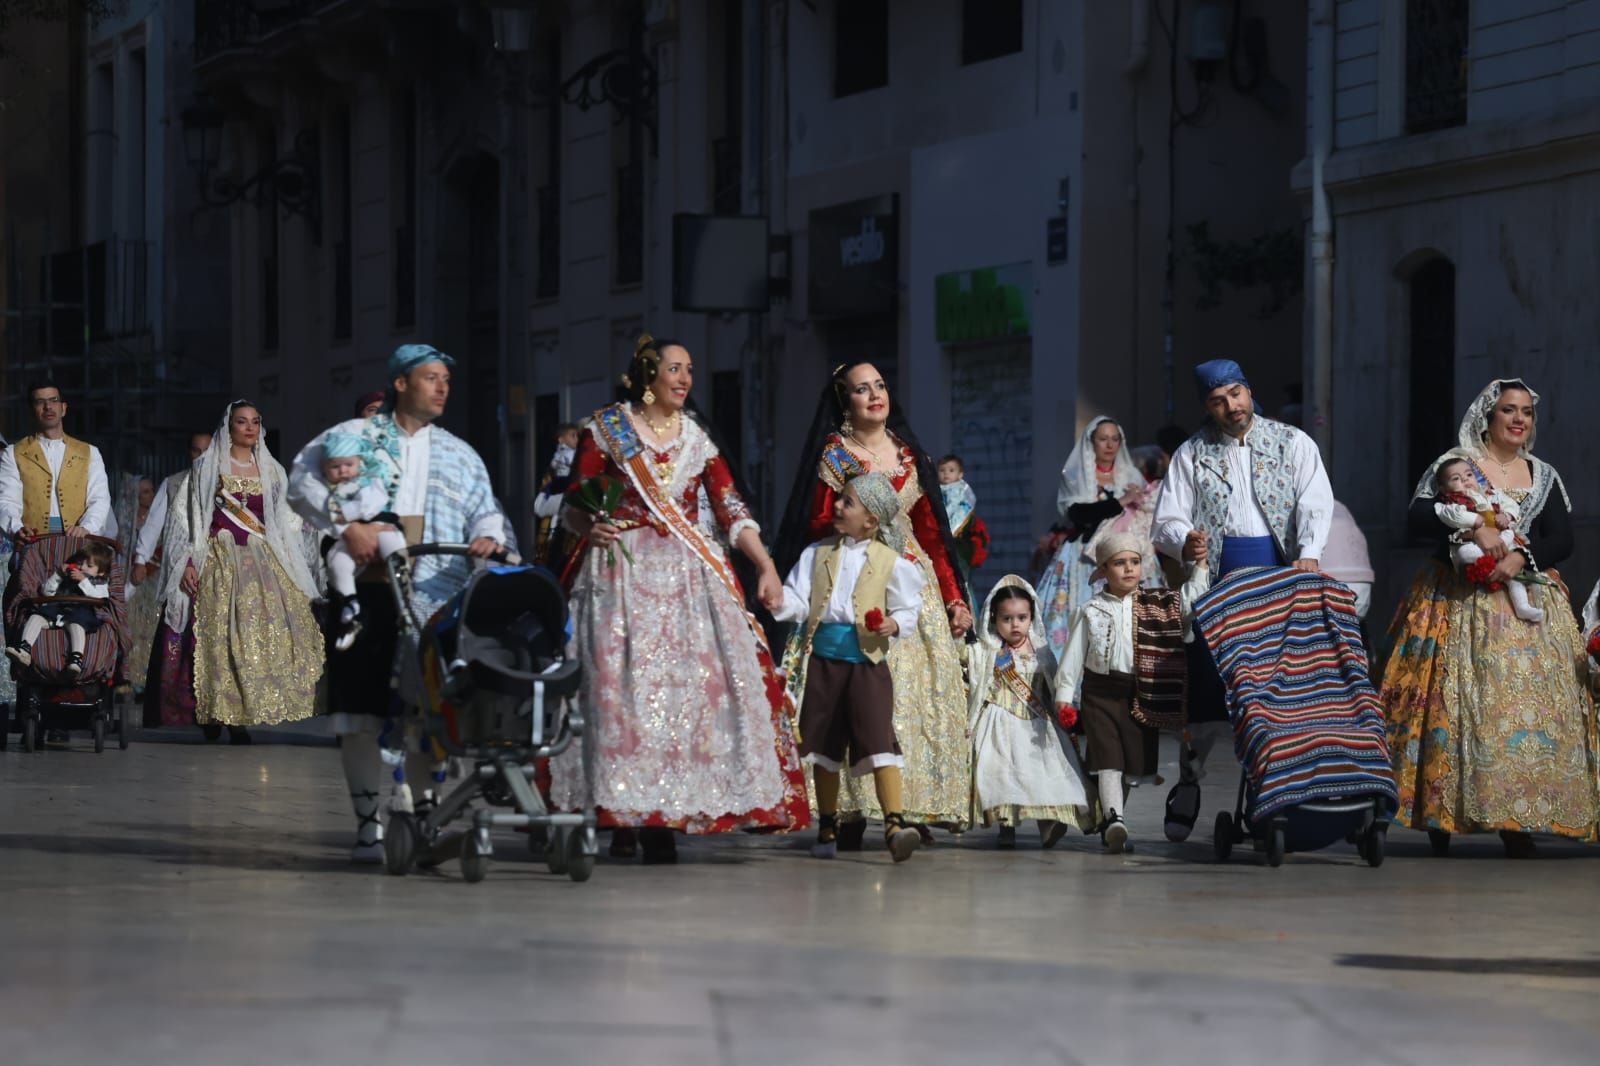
{"type": "Point", "coordinates": [1008, 837]}
{"type": "Point", "coordinates": [75, 663]}
{"type": "Point", "coordinates": [1439, 841]}
{"type": "Point", "coordinates": [211, 731]}
{"type": "Point", "coordinates": [851, 834]}
{"type": "Point", "coordinates": [1518, 845]}
{"type": "Point", "coordinates": [659, 845]}
{"type": "Point", "coordinates": [238, 735]}
{"type": "Point", "coordinates": [624, 844]}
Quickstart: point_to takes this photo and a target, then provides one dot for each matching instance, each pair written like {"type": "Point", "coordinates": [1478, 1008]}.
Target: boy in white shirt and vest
{"type": "Point", "coordinates": [1126, 651]}
{"type": "Point", "coordinates": [855, 594]}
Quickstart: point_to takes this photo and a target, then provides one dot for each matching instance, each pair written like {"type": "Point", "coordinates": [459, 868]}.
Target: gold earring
{"type": "Point", "coordinates": [649, 396]}
{"type": "Point", "coordinates": [847, 427]}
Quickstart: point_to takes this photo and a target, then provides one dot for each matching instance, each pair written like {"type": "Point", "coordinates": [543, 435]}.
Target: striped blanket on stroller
{"type": "Point", "coordinates": [1307, 724]}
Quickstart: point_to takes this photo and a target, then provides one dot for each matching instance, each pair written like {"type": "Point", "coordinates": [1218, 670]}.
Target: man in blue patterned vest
{"type": "Point", "coordinates": [1252, 492]}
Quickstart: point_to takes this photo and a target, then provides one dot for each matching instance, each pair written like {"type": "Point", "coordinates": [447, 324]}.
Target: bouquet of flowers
{"type": "Point", "coordinates": [599, 497]}
{"type": "Point", "coordinates": [874, 619]}
{"type": "Point", "coordinates": [1594, 644]}
{"type": "Point", "coordinates": [1481, 572]}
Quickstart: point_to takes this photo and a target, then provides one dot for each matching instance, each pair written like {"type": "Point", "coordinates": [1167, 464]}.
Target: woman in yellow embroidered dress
{"type": "Point", "coordinates": [857, 430]}
{"type": "Point", "coordinates": [1490, 721]}
{"type": "Point", "coordinates": [690, 719]}
{"type": "Point", "coordinates": [234, 550]}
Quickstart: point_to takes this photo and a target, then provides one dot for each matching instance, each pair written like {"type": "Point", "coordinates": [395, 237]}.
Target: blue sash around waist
{"type": "Point", "coordinates": [1240, 552]}
{"type": "Point", "coordinates": [837, 641]}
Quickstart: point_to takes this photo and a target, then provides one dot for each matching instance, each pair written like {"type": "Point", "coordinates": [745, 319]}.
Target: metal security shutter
{"type": "Point", "coordinates": [991, 401]}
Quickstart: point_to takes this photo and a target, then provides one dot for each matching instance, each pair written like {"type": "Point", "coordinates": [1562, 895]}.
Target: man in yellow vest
{"type": "Point", "coordinates": [49, 482]}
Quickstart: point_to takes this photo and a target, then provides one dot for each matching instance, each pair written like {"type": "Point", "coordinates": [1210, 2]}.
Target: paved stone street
{"type": "Point", "coordinates": [179, 904]}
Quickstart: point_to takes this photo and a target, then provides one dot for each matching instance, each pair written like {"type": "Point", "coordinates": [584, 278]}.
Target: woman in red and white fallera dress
{"type": "Point", "coordinates": [691, 722]}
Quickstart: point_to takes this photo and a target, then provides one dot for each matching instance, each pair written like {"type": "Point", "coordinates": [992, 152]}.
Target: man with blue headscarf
{"type": "Point", "coordinates": [439, 489]}
{"type": "Point", "coordinates": [1251, 492]}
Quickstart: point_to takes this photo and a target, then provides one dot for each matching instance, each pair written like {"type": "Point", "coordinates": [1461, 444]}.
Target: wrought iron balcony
{"type": "Point", "coordinates": [227, 25]}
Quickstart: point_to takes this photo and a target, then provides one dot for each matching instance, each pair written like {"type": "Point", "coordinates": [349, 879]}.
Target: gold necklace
{"type": "Point", "coordinates": [674, 420]}
{"type": "Point", "coordinates": [873, 455]}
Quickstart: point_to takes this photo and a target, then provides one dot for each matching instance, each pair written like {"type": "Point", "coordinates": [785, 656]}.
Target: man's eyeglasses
{"type": "Point", "coordinates": [53, 401]}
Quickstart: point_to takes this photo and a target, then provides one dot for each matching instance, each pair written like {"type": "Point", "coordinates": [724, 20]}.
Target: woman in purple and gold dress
{"type": "Point", "coordinates": [234, 557]}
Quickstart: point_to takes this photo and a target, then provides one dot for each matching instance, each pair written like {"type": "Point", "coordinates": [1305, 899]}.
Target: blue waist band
{"type": "Point", "coordinates": [1240, 552]}
{"type": "Point", "coordinates": [837, 641]}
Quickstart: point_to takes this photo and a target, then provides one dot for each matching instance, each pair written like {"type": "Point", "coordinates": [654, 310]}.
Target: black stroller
{"type": "Point", "coordinates": [497, 690]}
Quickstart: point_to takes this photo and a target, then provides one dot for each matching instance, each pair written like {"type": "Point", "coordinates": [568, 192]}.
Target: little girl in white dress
{"type": "Point", "coordinates": [1024, 765]}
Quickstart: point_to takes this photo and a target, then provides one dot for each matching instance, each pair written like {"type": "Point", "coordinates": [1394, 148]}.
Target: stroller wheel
{"type": "Point", "coordinates": [99, 734]}
{"type": "Point", "coordinates": [1275, 846]}
{"type": "Point", "coordinates": [557, 850]}
{"type": "Point", "coordinates": [1372, 844]}
{"type": "Point", "coordinates": [125, 727]}
{"type": "Point", "coordinates": [399, 843]}
{"type": "Point", "coordinates": [30, 734]}
{"type": "Point", "coordinates": [580, 860]}
{"type": "Point", "coordinates": [1222, 836]}
{"type": "Point", "coordinates": [474, 858]}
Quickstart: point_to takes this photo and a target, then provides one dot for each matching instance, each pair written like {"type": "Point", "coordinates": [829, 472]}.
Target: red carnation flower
{"type": "Point", "coordinates": [1594, 643]}
{"type": "Point", "coordinates": [1481, 572]}
{"type": "Point", "coordinates": [874, 619]}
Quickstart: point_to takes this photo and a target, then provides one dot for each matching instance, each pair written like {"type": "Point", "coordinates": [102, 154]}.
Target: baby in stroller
{"type": "Point", "coordinates": [86, 573]}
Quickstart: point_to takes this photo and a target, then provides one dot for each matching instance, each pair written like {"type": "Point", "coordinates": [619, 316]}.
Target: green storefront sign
{"type": "Point", "coordinates": [980, 305]}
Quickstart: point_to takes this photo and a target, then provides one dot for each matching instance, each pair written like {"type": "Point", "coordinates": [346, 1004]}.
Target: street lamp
{"type": "Point", "coordinates": [202, 135]}
{"type": "Point", "coordinates": [290, 180]}
{"type": "Point", "coordinates": [512, 21]}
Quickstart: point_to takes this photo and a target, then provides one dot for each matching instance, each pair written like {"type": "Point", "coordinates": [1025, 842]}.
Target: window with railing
{"type": "Point", "coordinates": [403, 190]}
{"type": "Point", "coordinates": [860, 46]}
{"type": "Point", "coordinates": [339, 179]}
{"type": "Point", "coordinates": [1436, 64]}
{"type": "Point", "coordinates": [628, 191]}
{"type": "Point", "coordinates": [547, 206]}
{"type": "Point", "coordinates": [267, 232]}
{"type": "Point", "coordinates": [726, 176]}
{"type": "Point", "coordinates": [990, 29]}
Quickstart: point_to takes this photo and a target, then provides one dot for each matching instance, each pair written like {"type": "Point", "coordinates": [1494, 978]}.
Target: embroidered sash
{"type": "Point", "coordinates": [235, 511]}
{"type": "Point", "coordinates": [622, 443]}
{"type": "Point", "coordinates": [1005, 672]}
{"type": "Point", "coordinates": [1160, 666]}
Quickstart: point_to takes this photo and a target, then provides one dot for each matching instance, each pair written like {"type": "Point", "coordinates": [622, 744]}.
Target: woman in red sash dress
{"type": "Point", "coordinates": [691, 720]}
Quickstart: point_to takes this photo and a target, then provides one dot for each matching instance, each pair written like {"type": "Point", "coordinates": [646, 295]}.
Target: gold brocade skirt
{"type": "Point", "coordinates": [144, 614]}
{"type": "Point", "coordinates": [258, 650]}
{"type": "Point", "coordinates": [1489, 717]}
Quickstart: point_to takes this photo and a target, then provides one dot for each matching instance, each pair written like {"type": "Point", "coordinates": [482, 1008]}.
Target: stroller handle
{"type": "Point", "coordinates": [415, 551]}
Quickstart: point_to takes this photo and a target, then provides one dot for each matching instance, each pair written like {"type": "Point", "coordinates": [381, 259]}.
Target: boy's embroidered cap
{"type": "Point", "coordinates": [877, 495]}
{"type": "Point", "coordinates": [1116, 544]}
